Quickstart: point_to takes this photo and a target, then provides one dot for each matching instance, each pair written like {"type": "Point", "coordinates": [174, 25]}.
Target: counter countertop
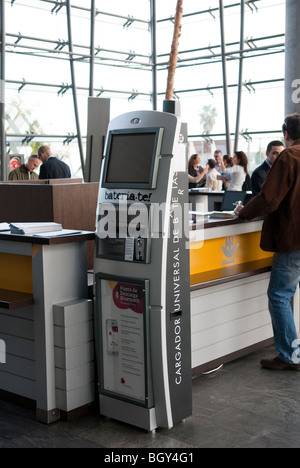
{"type": "Point", "coordinates": [221, 222]}
{"type": "Point", "coordinates": [61, 239]}
{"type": "Point", "coordinates": [206, 191]}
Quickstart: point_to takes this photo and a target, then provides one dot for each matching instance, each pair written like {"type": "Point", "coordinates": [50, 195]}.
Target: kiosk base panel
{"type": "Point", "coordinates": [128, 413]}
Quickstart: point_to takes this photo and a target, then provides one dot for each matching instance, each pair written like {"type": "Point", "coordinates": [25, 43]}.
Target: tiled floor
{"type": "Point", "coordinates": [241, 405]}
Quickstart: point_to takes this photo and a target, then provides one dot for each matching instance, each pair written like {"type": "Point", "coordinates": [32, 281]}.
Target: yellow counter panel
{"type": "Point", "coordinates": [229, 281]}
{"type": "Point", "coordinates": [16, 272]}
{"type": "Point", "coordinates": [225, 256]}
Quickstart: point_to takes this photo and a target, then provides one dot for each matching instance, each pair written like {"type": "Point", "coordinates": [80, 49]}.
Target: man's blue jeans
{"type": "Point", "coordinates": [284, 280]}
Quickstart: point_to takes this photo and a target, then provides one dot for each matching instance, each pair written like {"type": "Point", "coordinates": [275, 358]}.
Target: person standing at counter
{"type": "Point", "coordinates": [194, 181]}
{"type": "Point", "coordinates": [279, 203]}
{"type": "Point", "coordinates": [212, 181]}
{"type": "Point", "coordinates": [26, 171]}
{"type": "Point", "coordinates": [227, 162]}
{"type": "Point", "coordinates": [259, 175]}
{"type": "Point", "coordinates": [195, 170]}
{"type": "Point", "coordinates": [52, 168]}
{"type": "Point", "coordinates": [236, 175]}
{"type": "Point", "coordinates": [218, 160]}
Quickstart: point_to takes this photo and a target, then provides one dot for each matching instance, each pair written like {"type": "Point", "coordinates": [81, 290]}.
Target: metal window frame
{"type": "Point", "coordinates": [153, 62]}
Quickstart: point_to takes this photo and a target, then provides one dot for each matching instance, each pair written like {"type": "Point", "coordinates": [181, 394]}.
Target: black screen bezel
{"type": "Point", "coordinates": [154, 163]}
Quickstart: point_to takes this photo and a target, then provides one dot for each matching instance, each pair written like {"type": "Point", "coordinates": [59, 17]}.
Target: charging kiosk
{"type": "Point", "coordinates": [141, 271]}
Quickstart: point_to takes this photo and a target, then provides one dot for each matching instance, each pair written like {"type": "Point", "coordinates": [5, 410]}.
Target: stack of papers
{"type": "Point", "coordinates": [34, 228]}
{"type": "Point", "coordinates": [223, 214]}
{"type": "Point", "coordinates": [201, 189]}
{"type": "Point", "coordinates": [4, 227]}
{"type": "Point", "coordinates": [214, 214]}
{"type": "Point", "coordinates": [200, 215]}
{"type": "Point", "coordinates": [63, 232]}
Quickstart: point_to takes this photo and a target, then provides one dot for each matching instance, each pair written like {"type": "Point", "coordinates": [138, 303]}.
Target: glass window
{"type": "Point", "coordinates": [39, 98]}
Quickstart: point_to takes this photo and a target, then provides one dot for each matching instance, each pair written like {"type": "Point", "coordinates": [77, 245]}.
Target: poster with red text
{"type": "Point", "coordinates": [123, 342]}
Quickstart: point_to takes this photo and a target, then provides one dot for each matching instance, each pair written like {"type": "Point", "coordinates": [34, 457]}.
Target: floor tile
{"type": "Point", "coordinates": [238, 406]}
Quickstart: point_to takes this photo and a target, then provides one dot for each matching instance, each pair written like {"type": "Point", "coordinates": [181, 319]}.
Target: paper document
{"type": "Point", "coordinates": [63, 232]}
{"type": "Point", "coordinates": [4, 227]}
{"type": "Point", "coordinates": [34, 228]}
{"type": "Point", "coordinates": [223, 214]}
{"type": "Point", "coordinates": [201, 213]}
{"type": "Point", "coordinates": [214, 214]}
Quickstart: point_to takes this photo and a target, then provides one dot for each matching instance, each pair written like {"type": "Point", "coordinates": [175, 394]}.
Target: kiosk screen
{"type": "Point", "coordinates": [132, 158]}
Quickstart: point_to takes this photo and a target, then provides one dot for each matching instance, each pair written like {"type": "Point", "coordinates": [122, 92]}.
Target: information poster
{"type": "Point", "coordinates": [123, 339]}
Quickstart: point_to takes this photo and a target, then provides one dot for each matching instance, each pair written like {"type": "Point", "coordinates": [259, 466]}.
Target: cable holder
{"type": "Point", "coordinates": [246, 135]}
{"type": "Point", "coordinates": [131, 56]}
{"type": "Point", "coordinates": [58, 6]}
{"type": "Point", "coordinates": [60, 44]}
{"type": "Point", "coordinates": [101, 91]}
{"type": "Point", "coordinates": [19, 39]}
{"type": "Point", "coordinates": [133, 95]}
{"type": "Point", "coordinates": [129, 22]}
{"type": "Point", "coordinates": [22, 85]}
{"type": "Point", "coordinates": [249, 86]}
{"type": "Point", "coordinates": [65, 87]}
{"type": "Point", "coordinates": [69, 139]}
{"type": "Point", "coordinates": [28, 138]}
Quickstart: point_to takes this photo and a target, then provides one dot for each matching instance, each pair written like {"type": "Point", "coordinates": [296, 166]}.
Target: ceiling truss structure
{"type": "Point", "coordinates": [94, 55]}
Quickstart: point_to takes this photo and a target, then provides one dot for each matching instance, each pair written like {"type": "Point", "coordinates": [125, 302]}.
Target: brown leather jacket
{"type": "Point", "coordinates": [279, 203]}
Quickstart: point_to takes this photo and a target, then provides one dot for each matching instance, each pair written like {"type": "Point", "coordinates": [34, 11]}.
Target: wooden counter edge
{"type": "Point", "coordinates": [14, 299]}
{"type": "Point", "coordinates": [31, 239]}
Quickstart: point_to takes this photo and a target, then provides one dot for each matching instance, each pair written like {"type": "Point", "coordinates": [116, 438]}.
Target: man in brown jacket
{"type": "Point", "coordinates": [279, 204]}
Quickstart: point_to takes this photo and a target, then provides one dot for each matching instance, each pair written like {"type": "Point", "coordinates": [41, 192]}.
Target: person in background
{"type": "Point", "coordinates": [26, 171]}
{"type": "Point", "coordinates": [52, 168]}
{"type": "Point", "coordinates": [227, 162]}
{"type": "Point", "coordinates": [195, 170]}
{"type": "Point", "coordinates": [212, 181]}
{"type": "Point", "coordinates": [195, 180]}
{"type": "Point", "coordinates": [218, 159]}
{"type": "Point", "coordinates": [247, 184]}
{"type": "Point", "coordinates": [278, 203]}
{"type": "Point", "coordinates": [259, 175]}
{"type": "Point", "coordinates": [236, 174]}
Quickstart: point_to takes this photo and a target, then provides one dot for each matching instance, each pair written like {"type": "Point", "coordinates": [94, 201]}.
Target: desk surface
{"type": "Point", "coordinates": [76, 237]}
{"type": "Point", "coordinates": [220, 222]}
{"type": "Point", "coordinates": [205, 191]}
